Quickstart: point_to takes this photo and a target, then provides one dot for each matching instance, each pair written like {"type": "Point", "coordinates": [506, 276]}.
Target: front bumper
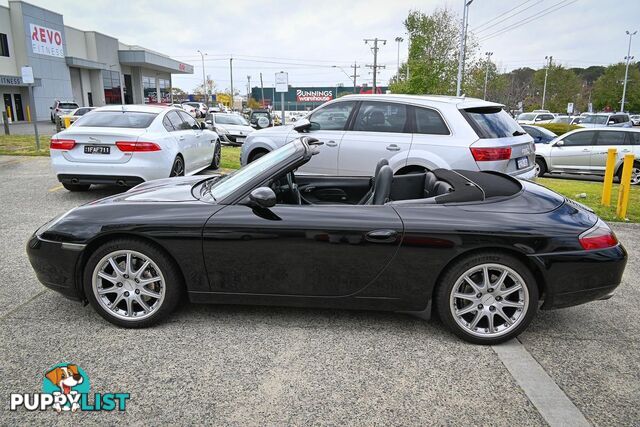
{"type": "Point", "coordinates": [574, 278]}
{"type": "Point", "coordinates": [229, 139]}
{"type": "Point", "coordinates": [55, 265]}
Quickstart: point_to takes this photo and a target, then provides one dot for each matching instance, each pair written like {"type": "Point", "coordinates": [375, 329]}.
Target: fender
{"type": "Point", "coordinates": [263, 142]}
{"type": "Point", "coordinates": [425, 159]}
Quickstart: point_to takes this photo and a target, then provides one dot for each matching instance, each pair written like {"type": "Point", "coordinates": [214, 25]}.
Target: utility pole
{"type": "Point", "coordinates": [262, 91]}
{"type": "Point", "coordinates": [355, 74]}
{"type": "Point", "coordinates": [486, 74]}
{"type": "Point", "coordinates": [375, 65]}
{"type": "Point", "coordinates": [463, 42]}
{"type": "Point", "coordinates": [399, 40]}
{"type": "Point", "coordinates": [626, 71]}
{"type": "Point", "coordinates": [204, 79]}
{"type": "Point", "coordinates": [248, 89]}
{"type": "Point", "coordinates": [231, 74]}
{"type": "Point", "coordinates": [546, 73]}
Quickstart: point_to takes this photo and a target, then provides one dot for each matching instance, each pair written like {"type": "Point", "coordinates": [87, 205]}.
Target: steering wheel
{"type": "Point", "coordinates": [293, 188]}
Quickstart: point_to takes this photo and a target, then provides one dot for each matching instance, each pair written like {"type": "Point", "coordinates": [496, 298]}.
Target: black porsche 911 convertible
{"type": "Point", "coordinates": [481, 248]}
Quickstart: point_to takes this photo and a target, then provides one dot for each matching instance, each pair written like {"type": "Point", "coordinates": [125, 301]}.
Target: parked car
{"type": "Point", "coordinates": [261, 119]}
{"type": "Point", "coordinates": [232, 129]}
{"type": "Point", "coordinates": [534, 118]}
{"type": "Point", "coordinates": [127, 145]}
{"type": "Point", "coordinates": [255, 237]}
{"type": "Point", "coordinates": [635, 119]}
{"type": "Point", "coordinates": [201, 109]}
{"type": "Point", "coordinates": [539, 134]}
{"type": "Point", "coordinates": [606, 119]}
{"type": "Point", "coordinates": [60, 108]}
{"type": "Point", "coordinates": [190, 110]}
{"type": "Point", "coordinates": [76, 114]}
{"type": "Point", "coordinates": [584, 151]}
{"type": "Point", "coordinates": [414, 133]}
{"type": "Point", "coordinates": [567, 120]}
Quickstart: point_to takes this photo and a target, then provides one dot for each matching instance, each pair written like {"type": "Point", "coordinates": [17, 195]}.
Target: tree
{"type": "Point", "coordinates": [563, 86]}
{"type": "Point", "coordinates": [433, 54]}
{"type": "Point", "coordinates": [253, 104]}
{"type": "Point", "coordinates": [211, 87]}
{"type": "Point", "coordinates": [607, 90]}
{"type": "Point", "coordinates": [177, 92]}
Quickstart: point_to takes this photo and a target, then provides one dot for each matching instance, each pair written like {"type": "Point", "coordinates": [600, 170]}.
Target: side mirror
{"type": "Point", "coordinates": [203, 126]}
{"type": "Point", "coordinates": [302, 125]}
{"type": "Point", "coordinates": [611, 122]}
{"type": "Point", "coordinates": [263, 197]}
{"type": "Point", "coordinates": [209, 122]}
{"type": "Point", "coordinates": [559, 143]}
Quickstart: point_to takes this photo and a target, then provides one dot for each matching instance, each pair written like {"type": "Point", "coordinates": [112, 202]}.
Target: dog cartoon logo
{"type": "Point", "coordinates": [66, 382]}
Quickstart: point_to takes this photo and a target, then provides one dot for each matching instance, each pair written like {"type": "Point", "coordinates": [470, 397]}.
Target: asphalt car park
{"type": "Point", "coordinates": [266, 365]}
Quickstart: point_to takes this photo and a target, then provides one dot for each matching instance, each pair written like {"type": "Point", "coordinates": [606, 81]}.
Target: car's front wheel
{"type": "Point", "coordinates": [132, 283]}
{"type": "Point", "coordinates": [487, 298]}
{"type": "Point", "coordinates": [541, 167]}
{"type": "Point", "coordinates": [217, 155]}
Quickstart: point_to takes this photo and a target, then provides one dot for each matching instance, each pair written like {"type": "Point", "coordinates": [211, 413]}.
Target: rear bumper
{"type": "Point", "coordinates": [574, 278]}
{"type": "Point", "coordinates": [55, 265]}
{"type": "Point", "coordinates": [525, 174]}
{"type": "Point", "coordinates": [123, 180]}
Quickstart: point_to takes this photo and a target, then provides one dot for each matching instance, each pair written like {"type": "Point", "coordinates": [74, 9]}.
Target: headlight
{"type": "Point", "coordinates": [52, 222]}
{"type": "Point", "coordinates": [220, 129]}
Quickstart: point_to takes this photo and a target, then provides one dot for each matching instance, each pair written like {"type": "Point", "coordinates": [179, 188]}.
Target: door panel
{"type": "Point", "coordinates": [329, 189]}
{"type": "Point", "coordinates": [605, 140]}
{"type": "Point", "coordinates": [575, 154]}
{"type": "Point", "coordinates": [299, 250]}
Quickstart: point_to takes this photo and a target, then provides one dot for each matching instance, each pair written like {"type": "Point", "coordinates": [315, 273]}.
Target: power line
{"type": "Point", "coordinates": [476, 29]}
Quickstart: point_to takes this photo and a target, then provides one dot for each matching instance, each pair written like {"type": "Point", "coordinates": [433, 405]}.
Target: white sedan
{"type": "Point", "coordinates": [127, 145]}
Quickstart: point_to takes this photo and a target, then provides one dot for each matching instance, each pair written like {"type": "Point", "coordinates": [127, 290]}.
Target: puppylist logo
{"type": "Point", "coordinates": [65, 387]}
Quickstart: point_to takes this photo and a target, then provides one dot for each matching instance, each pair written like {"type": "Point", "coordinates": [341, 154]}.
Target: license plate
{"type": "Point", "coordinates": [239, 139]}
{"type": "Point", "coordinates": [522, 162]}
{"type": "Point", "coordinates": [97, 149]}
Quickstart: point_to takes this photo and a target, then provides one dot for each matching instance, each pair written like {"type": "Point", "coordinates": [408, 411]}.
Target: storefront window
{"type": "Point", "coordinates": [149, 87]}
{"type": "Point", "coordinates": [111, 82]}
{"type": "Point", "coordinates": [165, 86]}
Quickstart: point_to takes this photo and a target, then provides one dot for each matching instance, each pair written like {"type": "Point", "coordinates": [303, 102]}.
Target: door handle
{"type": "Point", "coordinates": [393, 147]}
{"type": "Point", "coordinates": [331, 144]}
{"type": "Point", "coordinates": [308, 189]}
{"type": "Point", "coordinates": [586, 149]}
{"type": "Point", "coordinates": [181, 138]}
{"type": "Point", "coordinates": [382, 236]}
{"type": "Point", "coordinates": [198, 135]}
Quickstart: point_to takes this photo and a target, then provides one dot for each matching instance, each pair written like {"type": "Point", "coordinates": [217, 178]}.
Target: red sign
{"type": "Point", "coordinates": [182, 67]}
{"type": "Point", "coordinates": [46, 41]}
{"type": "Point", "coordinates": [313, 95]}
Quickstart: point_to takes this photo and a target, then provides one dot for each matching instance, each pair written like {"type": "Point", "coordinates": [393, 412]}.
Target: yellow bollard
{"type": "Point", "coordinates": [625, 186]}
{"type": "Point", "coordinates": [9, 114]}
{"type": "Point", "coordinates": [28, 114]}
{"type": "Point", "coordinates": [67, 122]}
{"type": "Point", "coordinates": [608, 177]}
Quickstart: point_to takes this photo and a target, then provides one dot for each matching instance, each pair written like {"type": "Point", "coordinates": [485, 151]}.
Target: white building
{"type": "Point", "coordinates": [69, 64]}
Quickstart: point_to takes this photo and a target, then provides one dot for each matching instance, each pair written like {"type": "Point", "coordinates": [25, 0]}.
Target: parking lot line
{"type": "Point", "coordinates": [549, 399]}
{"type": "Point", "coordinates": [56, 188]}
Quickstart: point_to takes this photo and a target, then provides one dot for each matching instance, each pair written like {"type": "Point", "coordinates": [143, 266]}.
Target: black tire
{"type": "Point", "coordinates": [455, 273]}
{"type": "Point", "coordinates": [174, 284]}
{"type": "Point", "coordinates": [177, 169]}
{"type": "Point", "coordinates": [257, 155]}
{"type": "Point", "coordinates": [76, 187]}
{"type": "Point", "coordinates": [217, 155]}
{"type": "Point", "coordinates": [542, 166]}
{"type": "Point", "coordinates": [634, 175]}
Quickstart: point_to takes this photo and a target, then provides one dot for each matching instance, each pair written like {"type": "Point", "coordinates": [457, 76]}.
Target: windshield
{"type": "Point", "coordinates": [67, 106]}
{"type": "Point", "coordinates": [230, 119]}
{"type": "Point", "coordinates": [492, 122]}
{"type": "Point", "coordinates": [598, 119]}
{"type": "Point", "coordinates": [561, 120]}
{"type": "Point", "coordinates": [228, 184]}
{"type": "Point", "coordinates": [116, 119]}
{"type": "Point", "coordinates": [82, 111]}
{"type": "Point", "coordinates": [526, 116]}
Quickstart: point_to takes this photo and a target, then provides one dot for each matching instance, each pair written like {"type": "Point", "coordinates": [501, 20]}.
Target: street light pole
{"type": "Point", "coordinates": [626, 71]}
{"type": "Point", "coordinates": [463, 39]}
{"type": "Point", "coordinates": [486, 74]}
{"type": "Point", "coordinates": [231, 74]}
{"type": "Point", "coordinates": [399, 40]}
{"type": "Point", "coordinates": [546, 73]}
{"type": "Point", "coordinates": [204, 79]}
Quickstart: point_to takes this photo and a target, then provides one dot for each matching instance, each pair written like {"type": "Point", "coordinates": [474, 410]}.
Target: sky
{"type": "Point", "coordinates": [308, 38]}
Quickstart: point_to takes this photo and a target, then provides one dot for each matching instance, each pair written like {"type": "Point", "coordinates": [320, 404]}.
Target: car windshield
{"type": "Point", "coordinates": [598, 119]}
{"type": "Point", "coordinates": [223, 187]}
{"type": "Point", "coordinates": [230, 119]}
{"type": "Point", "coordinates": [260, 114]}
{"type": "Point", "coordinates": [67, 106]}
{"type": "Point", "coordinates": [492, 122]}
{"type": "Point", "coordinates": [117, 119]}
{"type": "Point", "coordinates": [526, 116]}
{"type": "Point", "coordinates": [565, 120]}
{"type": "Point", "coordinates": [82, 111]}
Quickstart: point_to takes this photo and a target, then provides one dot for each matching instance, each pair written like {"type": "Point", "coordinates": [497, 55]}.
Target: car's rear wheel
{"type": "Point", "coordinates": [178, 167]}
{"type": "Point", "coordinates": [76, 187]}
{"type": "Point", "coordinates": [257, 155]}
{"type": "Point", "coordinates": [487, 298]}
{"type": "Point", "coordinates": [541, 167]}
{"type": "Point", "coordinates": [635, 173]}
{"type": "Point", "coordinates": [132, 283]}
{"type": "Point", "coordinates": [217, 155]}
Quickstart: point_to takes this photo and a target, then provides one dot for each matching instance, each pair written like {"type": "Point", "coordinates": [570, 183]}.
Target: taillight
{"type": "Point", "coordinates": [130, 146]}
{"type": "Point", "coordinates": [491, 154]}
{"type": "Point", "coordinates": [599, 236]}
{"type": "Point", "coordinates": [62, 144]}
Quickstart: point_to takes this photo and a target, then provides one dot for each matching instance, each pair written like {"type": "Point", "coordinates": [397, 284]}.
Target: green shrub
{"type": "Point", "coordinates": [558, 128]}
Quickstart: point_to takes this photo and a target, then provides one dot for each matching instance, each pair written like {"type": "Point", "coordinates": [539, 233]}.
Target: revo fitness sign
{"type": "Point", "coordinates": [46, 41]}
{"type": "Point", "coordinates": [313, 95]}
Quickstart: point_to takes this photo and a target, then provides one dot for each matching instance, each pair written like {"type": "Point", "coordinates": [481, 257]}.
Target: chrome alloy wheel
{"type": "Point", "coordinates": [635, 175]}
{"type": "Point", "coordinates": [128, 284]}
{"type": "Point", "coordinates": [489, 300]}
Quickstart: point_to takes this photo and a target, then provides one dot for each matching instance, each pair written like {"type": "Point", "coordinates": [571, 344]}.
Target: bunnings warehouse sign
{"type": "Point", "coordinates": [305, 95]}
